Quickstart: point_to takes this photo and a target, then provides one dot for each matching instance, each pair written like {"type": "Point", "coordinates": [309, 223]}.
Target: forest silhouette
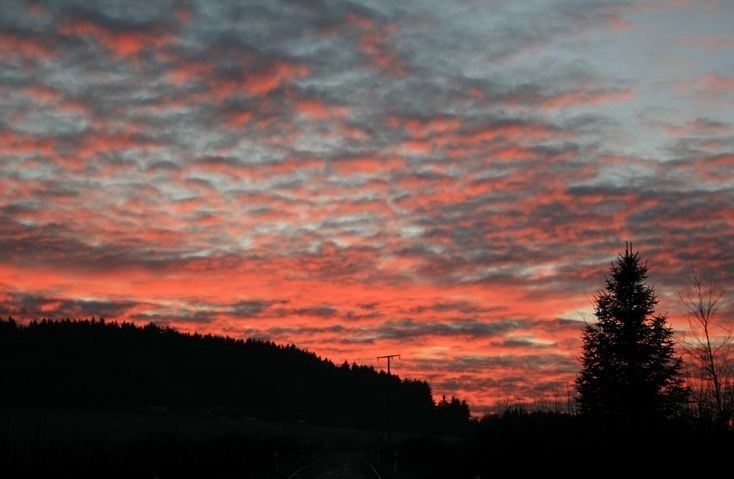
{"type": "Point", "coordinates": [98, 364]}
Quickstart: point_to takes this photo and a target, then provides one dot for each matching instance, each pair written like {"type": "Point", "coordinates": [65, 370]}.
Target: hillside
{"type": "Point", "coordinates": [104, 365]}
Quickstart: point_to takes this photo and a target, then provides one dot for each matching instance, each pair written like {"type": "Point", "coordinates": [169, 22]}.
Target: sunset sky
{"type": "Point", "coordinates": [445, 180]}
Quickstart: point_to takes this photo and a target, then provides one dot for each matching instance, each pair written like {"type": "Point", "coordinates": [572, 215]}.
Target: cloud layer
{"type": "Point", "coordinates": [444, 180]}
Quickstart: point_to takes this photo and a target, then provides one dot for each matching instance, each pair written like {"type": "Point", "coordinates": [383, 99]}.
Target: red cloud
{"type": "Point", "coordinates": [42, 93]}
{"type": "Point", "coordinates": [712, 84]}
{"type": "Point", "coordinates": [319, 110]}
{"type": "Point", "coordinates": [567, 99]}
{"type": "Point", "coordinates": [123, 43]}
{"type": "Point", "coordinates": [582, 98]}
{"type": "Point", "coordinates": [520, 132]}
{"type": "Point", "coordinates": [425, 127]}
{"type": "Point", "coordinates": [255, 82]}
{"type": "Point", "coordinates": [360, 21]}
{"type": "Point", "coordinates": [713, 168]}
{"type": "Point", "coordinates": [711, 43]}
{"type": "Point", "coordinates": [381, 54]}
{"type": "Point", "coordinates": [27, 47]}
{"type": "Point", "coordinates": [413, 147]}
{"type": "Point", "coordinates": [699, 127]}
{"type": "Point", "coordinates": [96, 143]}
{"type": "Point", "coordinates": [184, 71]}
{"type": "Point", "coordinates": [273, 76]}
{"type": "Point", "coordinates": [20, 144]}
{"type": "Point", "coordinates": [293, 164]}
{"type": "Point", "coordinates": [374, 42]}
{"type": "Point", "coordinates": [240, 118]}
{"type": "Point", "coordinates": [366, 164]}
{"type": "Point", "coordinates": [715, 83]}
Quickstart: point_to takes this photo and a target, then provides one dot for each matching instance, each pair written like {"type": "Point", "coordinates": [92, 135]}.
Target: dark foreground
{"type": "Point", "coordinates": [158, 443]}
{"type": "Point", "coordinates": [351, 465]}
{"type": "Point", "coordinates": [165, 444]}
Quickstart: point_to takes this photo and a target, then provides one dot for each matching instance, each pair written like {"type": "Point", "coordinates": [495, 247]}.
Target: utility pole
{"type": "Point", "coordinates": [389, 422]}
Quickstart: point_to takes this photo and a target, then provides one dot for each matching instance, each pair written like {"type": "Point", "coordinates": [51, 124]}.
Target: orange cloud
{"type": "Point", "coordinates": [19, 144]}
{"type": "Point", "coordinates": [123, 43]}
{"type": "Point", "coordinates": [360, 21]}
{"type": "Point", "coordinates": [273, 76]}
{"type": "Point", "coordinates": [27, 47]}
{"type": "Point", "coordinates": [710, 43]}
{"type": "Point", "coordinates": [700, 127]}
{"type": "Point", "coordinates": [184, 71]}
{"type": "Point", "coordinates": [581, 98]}
{"type": "Point", "coordinates": [240, 118]}
{"type": "Point", "coordinates": [711, 84]}
{"type": "Point", "coordinates": [374, 42]}
{"type": "Point", "coordinates": [422, 128]}
{"type": "Point", "coordinates": [319, 110]}
{"type": "Point", "coordinates": [366, 164]}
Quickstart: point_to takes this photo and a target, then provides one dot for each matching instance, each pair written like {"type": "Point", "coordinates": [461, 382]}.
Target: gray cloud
{"type": "Point", "coordinates": [41, 306]}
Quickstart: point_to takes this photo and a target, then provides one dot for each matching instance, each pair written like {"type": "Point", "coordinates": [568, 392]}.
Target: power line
{"type": "Point", "coordinates": [389, 422]}
{"type": "Point", "coordinates": [388, 357]}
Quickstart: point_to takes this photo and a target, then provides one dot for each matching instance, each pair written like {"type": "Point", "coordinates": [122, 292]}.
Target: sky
{"type": "Point", "coordinates": [445, 180]}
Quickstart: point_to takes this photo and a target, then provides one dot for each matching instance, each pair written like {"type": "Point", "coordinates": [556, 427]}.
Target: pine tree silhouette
{"type": "Point", "coordinates": [630, 369]}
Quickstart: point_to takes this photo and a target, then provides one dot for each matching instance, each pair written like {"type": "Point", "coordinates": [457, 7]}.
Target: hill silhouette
{"type": "Point", "coordinates": [98, 364]}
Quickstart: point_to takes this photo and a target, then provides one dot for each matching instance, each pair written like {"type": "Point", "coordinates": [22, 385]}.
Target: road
{"type": "Point", "coordinates": [338, 466]}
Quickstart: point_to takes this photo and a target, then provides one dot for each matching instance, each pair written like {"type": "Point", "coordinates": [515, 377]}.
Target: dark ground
{"type": "Point", "coordinates": [181, 444]}
{"type": "Point", "coordinates": [158, 443]}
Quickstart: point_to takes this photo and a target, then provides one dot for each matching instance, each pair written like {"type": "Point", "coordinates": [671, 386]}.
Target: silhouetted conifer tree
{"type": "Point", "coordinates": [630, 368]}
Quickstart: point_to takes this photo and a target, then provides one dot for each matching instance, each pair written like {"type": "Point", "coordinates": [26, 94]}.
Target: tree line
{"type": "Point", "coordinates": [97, 364]}
{"type": "Point", "coordinates": [633, 369]}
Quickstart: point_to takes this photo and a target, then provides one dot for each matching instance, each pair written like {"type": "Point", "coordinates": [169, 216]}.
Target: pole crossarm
{"type": "Point", "coordinates": [387, 404]}
{"type": "Point", "coordinates": [388, 357]}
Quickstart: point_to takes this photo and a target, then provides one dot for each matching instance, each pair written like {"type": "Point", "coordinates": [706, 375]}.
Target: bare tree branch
{"type": "Point", "coordinates": [709, 343]}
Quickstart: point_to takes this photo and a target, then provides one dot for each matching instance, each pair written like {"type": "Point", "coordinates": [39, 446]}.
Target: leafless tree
{"type": "Point", "coordinates": [709, 344]}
